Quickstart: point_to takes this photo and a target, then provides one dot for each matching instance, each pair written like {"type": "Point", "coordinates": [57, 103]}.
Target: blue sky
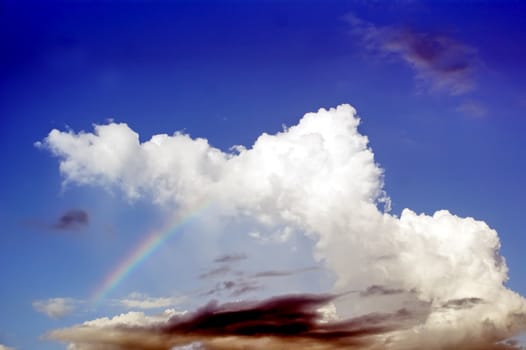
{"type": "Point", "coordinates": [439, 87]}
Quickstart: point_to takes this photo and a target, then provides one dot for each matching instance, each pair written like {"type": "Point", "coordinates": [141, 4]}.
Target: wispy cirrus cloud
{"type": "Point", "coordinates": [440, 63]}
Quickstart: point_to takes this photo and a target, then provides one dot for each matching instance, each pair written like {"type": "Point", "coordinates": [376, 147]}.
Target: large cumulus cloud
{"type": "Point", "coordinates": [319, 177]}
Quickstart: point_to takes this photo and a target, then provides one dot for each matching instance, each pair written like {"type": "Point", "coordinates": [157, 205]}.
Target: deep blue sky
{"type": "Point", "coordinates": [228, 72]}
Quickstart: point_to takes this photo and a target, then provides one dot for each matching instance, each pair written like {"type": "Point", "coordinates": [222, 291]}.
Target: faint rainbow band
{"type": "Point", "coordinates": [142, 251]}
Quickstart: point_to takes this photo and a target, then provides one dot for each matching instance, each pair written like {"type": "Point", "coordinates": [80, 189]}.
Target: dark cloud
{"type": "Point", "coordinates": [290, 321]}
{"type": "Point", "coordinates": [229, 258]}
{"type": "Point", "coordinates": [287, 316]}
{"type": "Point", "coordinates": [71, 220]}
{"type": "Point", "coordinates": [441, 63]}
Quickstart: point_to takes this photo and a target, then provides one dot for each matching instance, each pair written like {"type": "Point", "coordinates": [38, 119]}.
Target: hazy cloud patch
{"type": "Point", "coordinates": [142, 301]}
{"type": "Point", "coordinates": [4, 347]}
{"type": "Point", "coordinates": [473, 109]}
{"type": "Point", "coordinates": [56, 307]}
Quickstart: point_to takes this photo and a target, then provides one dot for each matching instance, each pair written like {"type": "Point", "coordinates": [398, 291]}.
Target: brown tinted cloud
{"type": "Point", "coordinates": [269, 324]}
{"type": "Point", "coordinates": [290, 321]}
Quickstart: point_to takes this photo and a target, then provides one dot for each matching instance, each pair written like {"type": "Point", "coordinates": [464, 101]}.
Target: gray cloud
{"type": "Point", "coordinates": [464, 303]}
{"type": "Point", "coordinates": [234, 288]}
{"type": "Point", "coordinates": [216, 272]}
{"type": "Point", "coordinates": [283, 273]}
{"type": "Point", "coordinates": [71, 220]}
{"type": "Point", "coordinates": [380, 290]}
{"type": "Point", "coordinates": [229, 258]}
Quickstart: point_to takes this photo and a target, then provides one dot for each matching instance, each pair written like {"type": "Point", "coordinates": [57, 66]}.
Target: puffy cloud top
{"type": "Point", "coordinates": [319, 177]}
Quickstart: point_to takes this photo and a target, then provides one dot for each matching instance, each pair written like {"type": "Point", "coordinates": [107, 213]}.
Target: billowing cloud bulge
{"type": "Point", "coordinates": [319, 177]}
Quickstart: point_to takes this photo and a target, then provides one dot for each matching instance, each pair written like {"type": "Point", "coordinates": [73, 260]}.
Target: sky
{"type": "Point", "coordinates": [262, 174]}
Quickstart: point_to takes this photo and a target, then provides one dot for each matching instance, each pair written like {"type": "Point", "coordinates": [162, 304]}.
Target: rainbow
{"type": "Point", "coordinates": [142, 251]}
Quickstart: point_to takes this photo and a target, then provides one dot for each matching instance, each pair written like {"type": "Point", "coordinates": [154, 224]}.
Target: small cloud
{"type": "Point", "coordinates": [473, 109]}
{"type": "Point", "coordinates": [219, 271]}
{"type": "Point", "coordinates": [3, 347]}
{"type": "Point", "coordinates": [72, 220]}
{"type": "Point", "coordinates": [56, 307]}
{"type": "Point", "coordinates": [234, 288]}
{"type": "Point", "coordinates": [464, 303]}
{"type": "Point", "coordinates": [440, 63]}
{"type": "Point", "coordinates": [244, 288]}
{"type": "Point", "coordinates": [142, 301]}
{"type": "Point", "coordinates": [283, 273]}
{"type": "Point", "coordinates": [230, 258]}
{"type": "Point", "coordinates": [380, 290]}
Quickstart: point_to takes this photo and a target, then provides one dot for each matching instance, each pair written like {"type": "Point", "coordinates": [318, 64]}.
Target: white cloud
{"type": "Point", "coordinates": [82, 337]}
{"type": "Point", "coordinates": [142, 301]}
{"type": "Point", "coordinates": [56, 307]}
{"type": "Point", "coordinates": [133, 318]}
{"type": "Point", "coordinates": [319, 178]}
{"type": "Point", "coordinates": [3, 347]}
